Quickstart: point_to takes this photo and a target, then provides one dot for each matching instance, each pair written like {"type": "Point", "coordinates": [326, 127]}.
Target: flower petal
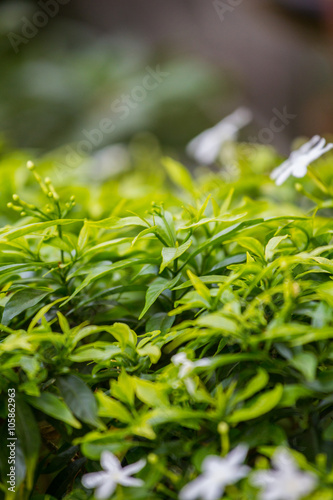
{"type": "Point", "coordinates": [179, 359]}
{"type": "Point", "coordinates": [212, 463]}
{"type": "Point", "coordinates": [202, 362]}
{"type": "Point", "coordinates": [195, 489]}
{"type": "Point", "coordinates": [104, 491]}
{"type": "Point", "coordinates": [190, 385]}
{"type": "Point", "coordinates": [300, 168]}
{"type": "Point", "coordinates": [206, 146]}
{"type": "Point", "coordinates": [238, 454]}
{"type": "Point", "coordinates": [109, 461]}
{"type": "Point", "coordinates": [214, 491]}
{"type": "Point", "coordinates": [283, 460]}
{"type": "Point", "coordinates": [240, 472]}
{"type": "Point", "coordinates": [134, 468]}
{"type": "Point", "coordinates": [287, 172]}
{"type": "Point", "coordinates": [93, 479]}
{"type": "Point", "coordinates": [305, 148]}
{"type": "Point", "coordinates": [130, 481]}
{"type": "Point", "coordinates": [280, 169]}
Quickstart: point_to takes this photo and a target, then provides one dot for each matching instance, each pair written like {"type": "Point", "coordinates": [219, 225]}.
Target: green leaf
{"type": "Point", "coordinates": [151, 393]}
{"type": "Point", "coordinates": [101, 271]}
{"type": "Point", "coordinates": [150, 230]}
{"type": "Point", "coordinates": [306, 363]}
{"type": "Point", "coordinates": [116, 223]}
{"type": "Point", "coordinates": [218, 320]}
{"type": "Point", "coordinates": [83, 237]}
{"type": "Point", "coordinates": [199, 286]}
{"type": "Point", "coordinates": [252, 245]}
{"type": "Point", "coordinates": [51, 405]}
{"type": "Point", "coordinates": [155, 289]}
{"type": "Point", "coordinates": [79, 399]}
{"type": "Point", "coordinates": [170, 254]}
{"type": "Point", "coordinates": [178, 173]}
{"type": "Point", "coordinates": [124, 388]}
{"type": "Point", "coordinates": [328, 433]}
{"type": "Point", "coordinates": [292, 393]}
{"type": "Point", "coordinates": [223, 236]}
{"type": "Point", "coordinates": [272, 245]}
{"type": "Point", "coordinates": [91, 352]}
{"type": "Point", "coordinates": [263, 404]}
{"type": "Point", "coordinates": [12, 234]}
{"type": "Point", "coordinates": [110, 408]}
{"type": "Point", "coordinates": [42, 313]}
{"type": "Point", "coordinates": [150, 350]}
{"type": "Point", "coordinates": [253, 386]}
{"type": "Point", "coordinates": [28, 434]}
{"type": "Point", "coordinates": [21, 301]}
{"type": "Point", "coordinates": [123, 334]}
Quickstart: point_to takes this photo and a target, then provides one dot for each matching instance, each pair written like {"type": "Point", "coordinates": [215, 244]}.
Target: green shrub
{"type": "Point", "coordinates": [166, 317]}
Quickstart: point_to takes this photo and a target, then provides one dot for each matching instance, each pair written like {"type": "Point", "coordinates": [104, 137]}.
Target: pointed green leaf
{"type": "Point", "coordinates": [170, 254]}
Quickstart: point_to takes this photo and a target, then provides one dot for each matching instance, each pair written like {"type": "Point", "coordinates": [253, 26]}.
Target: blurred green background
{"type": "Point", "coordinates": [65, 63]}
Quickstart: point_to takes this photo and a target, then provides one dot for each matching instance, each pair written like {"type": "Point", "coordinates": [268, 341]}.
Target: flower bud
{"type": "Point", "coordinates": [30, 165]}
{"type": "Point", "coordinates": [223, 428]}
{"type": "Point", "coordinates": [152, 458]}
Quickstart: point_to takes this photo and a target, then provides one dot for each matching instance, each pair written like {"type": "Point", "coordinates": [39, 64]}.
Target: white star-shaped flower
{"type": "Point", "coordinates": [286, 481]}
{"type": "Point", "coordinates": [206, 146]}
{"type": "Point", "coordinates": [217, 473]}
{"type": "Point", "coordinates": [299, 160]}
{"type": "Point", "coordinates": [186, 366]}
{"type": "Point", "coordinates": [105, 482]}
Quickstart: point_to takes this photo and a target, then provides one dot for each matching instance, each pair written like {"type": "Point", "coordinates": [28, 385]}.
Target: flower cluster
{"type": "Point", "coordinates": [284, 482]}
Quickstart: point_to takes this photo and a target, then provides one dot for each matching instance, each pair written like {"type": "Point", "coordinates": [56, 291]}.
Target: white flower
{"type": "Point", "coordinates": [186, 366]}
{"type": "Point", "coordinates": [286, 481]}
{"type": "Point", "coordinates": [106, 480]}
{"type": "Point", "coordinates": [299, 160]}
{"type": "Point", "coordinates": [206, 146]}
{"type": "Point", "coordinates": [217, 474]}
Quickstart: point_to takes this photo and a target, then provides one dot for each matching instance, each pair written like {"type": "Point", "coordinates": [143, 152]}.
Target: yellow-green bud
{"type": "Point", "coordinates": [16, 208]}
{"type": "Point", "coordinates": [47, 180]}
{"type": "Point", "coordinates": [72, 198]}
{"type": "Point", "coordinates": [16, 197]}
{"type": "Point", "coordinates": [223, 428]}
{"type": "Point", "coordinates": [30, 165]}
{"type": "Point", "coordinates": [10, 205]}
{"type": "Point", "coordinates": [50, 194]}
{"type": "Point", "coordinates": [23, 214]}
{"type": "Point", "coordinates": [152, 458]}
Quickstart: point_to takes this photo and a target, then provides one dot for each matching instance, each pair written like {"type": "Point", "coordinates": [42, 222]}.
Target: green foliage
{"type": "Point", "coordinates": [102, 283]}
